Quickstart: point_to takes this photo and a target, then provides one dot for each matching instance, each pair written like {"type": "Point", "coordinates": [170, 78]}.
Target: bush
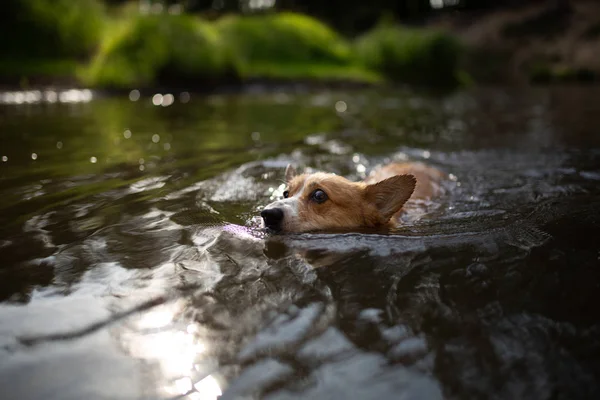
{"type": "Point", "coordinates": [34, 29]}
{"type": "Point", "coordinates": [146, 50]}
{"type": "Point", "coordinates": [416, 56]}
{"type": "Point", "coordinates": [283, 39]}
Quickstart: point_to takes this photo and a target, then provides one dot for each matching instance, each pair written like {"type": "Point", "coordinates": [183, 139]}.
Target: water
{"type": "Point", "coordinates": [132, 266]}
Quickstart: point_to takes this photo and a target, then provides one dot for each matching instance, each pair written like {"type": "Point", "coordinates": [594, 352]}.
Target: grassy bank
{"type": "Point", "coordinates": [418, 56]}
{"type": "Point", "coordinates": [126, 49]}
{"type": "Point", "coordinates": [168, 49]}
{"type": "Point", "coordinates": [42, 38]}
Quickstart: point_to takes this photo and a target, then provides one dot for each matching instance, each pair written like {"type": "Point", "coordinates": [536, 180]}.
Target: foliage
{"type": "Point", "coordinates": [282, 39]}
{"type": "Point", "coordinates": [33, 29]}
{"type": "Point", "coordinates": [129, 49]}
{"type": "Point", "coordinates": [417, 56]}
{"type": "Point", "coordinates": [150, 49]}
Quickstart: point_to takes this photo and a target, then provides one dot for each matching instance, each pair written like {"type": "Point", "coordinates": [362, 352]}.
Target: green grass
{"type": "Point", "coordinates": [284, 38]}
{"type": "Point", "coordinates": [292, 46]}
{"type": "Point", "coordinates": [77, 39]}
{"type": "Point", "coordinates": [150, 50]}
{"type": "Point", "coordinates": [415, 56]}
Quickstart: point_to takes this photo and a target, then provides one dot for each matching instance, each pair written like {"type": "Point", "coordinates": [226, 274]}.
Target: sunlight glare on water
{"type": "Point", "coordinates": [157, 99]}
{"type": "Point", "coordinates": [50, 96]}
{"type": "Point", "coordinates": [157, 339]}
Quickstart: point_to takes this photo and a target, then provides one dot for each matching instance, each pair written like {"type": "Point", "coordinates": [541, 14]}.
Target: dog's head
{"type": "Point", "coordinates": [326, 201]}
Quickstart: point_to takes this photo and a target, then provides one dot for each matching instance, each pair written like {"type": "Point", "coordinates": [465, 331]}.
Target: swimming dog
{"type": "Point", "coordinates": [325, 201]}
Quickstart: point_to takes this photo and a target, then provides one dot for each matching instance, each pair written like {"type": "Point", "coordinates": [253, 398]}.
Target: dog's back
{"type": "Point", "coordinates": [428, 178]}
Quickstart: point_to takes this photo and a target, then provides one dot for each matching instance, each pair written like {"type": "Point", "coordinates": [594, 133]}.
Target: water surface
{"type": "Point", "coordinates": [131, 265]}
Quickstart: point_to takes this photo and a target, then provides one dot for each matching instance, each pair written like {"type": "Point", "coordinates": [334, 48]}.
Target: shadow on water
{"type": "Point", "coordinates": [132, 266]}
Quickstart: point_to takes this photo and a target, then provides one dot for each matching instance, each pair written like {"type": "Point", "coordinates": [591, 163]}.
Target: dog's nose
{"type": "Point", "coordinates": [272, 217]}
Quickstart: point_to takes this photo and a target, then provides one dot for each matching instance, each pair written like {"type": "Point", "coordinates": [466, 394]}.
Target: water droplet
{"type": "Point", "coordinates": [51, 96]}
{"type": "Point", "coordinates": [341, 106]}
{"type": "Point", "coordinates": [156, 138]}
{"type": "Point", "coordinates": [167, 146]}
{"type": "Point", "coordinates": [401, 156]}
{"type": "Point", "coordinates": [34, 156]}
{"type": "Point", "coordinates": [255, 136]}
{"type": "Point", "coordinates": [19, 98]}
{"type": "Point", "coordinates": [156, 8]}
{"type": "Point", "coordinates": [184, 97]}
{"type": "Point", "coordinates": [127, 134]}
{"type": "Point", "coordinates": [175, 9]}
{"type": "Point", "coordinates": [93, 160]}
{"type": "Point", "coordinates": [355, 158]}
{"type": "Point", "coordinates": [134, 95]}
{"type": "Point", "coordinates": [59, 145]}
{"type": "Point", "coordinates": [360, 169]}
{"type": "Point", "coordinates": [167, 100]}
{"type": "Point", "coordinates": [452, 177]}
{"type": "Point", "coordinates": [142, 168]}
{"type": "Point", "coordinates": [157, 99]}
{"type": "Point", "coordinates": [141, 161]}
{"type": "Point", "coordinates": [426, 154]}
{"type": "Point", "coordinates": [33, 96]}
{"type": "Point", "coordinates": [86, 95]}
{"type": "Point", "coordinates": [4, 159]}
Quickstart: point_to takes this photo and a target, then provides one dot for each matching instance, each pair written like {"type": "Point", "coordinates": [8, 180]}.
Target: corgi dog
{"type": "Point", "coordinates": [324, 201]}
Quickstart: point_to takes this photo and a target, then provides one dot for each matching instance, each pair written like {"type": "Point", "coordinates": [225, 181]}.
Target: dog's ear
{"type": "Point", "coordinates": [389, 195]}
{"type": "Point", "coordinates": [290, 173]}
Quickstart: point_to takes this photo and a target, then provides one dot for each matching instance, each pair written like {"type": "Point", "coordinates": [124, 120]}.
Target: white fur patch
{"type": "Point", "coordinates": [289, 207]}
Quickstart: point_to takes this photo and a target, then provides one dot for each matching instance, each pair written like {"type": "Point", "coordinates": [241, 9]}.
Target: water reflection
{"type": "Point", "coordinates": [206, 389]}
{"type": "Point", "coordinates": [177, 350]}
{"type": "Point", "coordinates": [49, 96]}
{"type": "Point", "coordinates": [134, 95]}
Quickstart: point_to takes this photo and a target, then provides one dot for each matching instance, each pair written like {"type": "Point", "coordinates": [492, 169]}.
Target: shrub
{"type": "Point", "coordinates": [146, 50]}
{"type": "Point", "coordinates": [416, 56]}
{"type": "Point", "coordinates": [34, 29]}
{"type": "Point", "coordinates": [284, 39]}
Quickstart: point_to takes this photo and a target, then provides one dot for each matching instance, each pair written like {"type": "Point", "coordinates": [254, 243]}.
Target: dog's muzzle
{"type": "Point", "coordinates": [273, 218]}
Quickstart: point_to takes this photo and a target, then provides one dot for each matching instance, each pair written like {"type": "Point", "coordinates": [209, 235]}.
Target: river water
{"type": "Point", "coordinates": [132, 265]}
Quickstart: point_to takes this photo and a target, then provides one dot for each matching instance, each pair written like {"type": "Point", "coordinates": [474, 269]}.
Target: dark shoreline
{"type": "Point", "coordinates": [259, 86]}
{"type": "Point", "coordinates": [203, 88]}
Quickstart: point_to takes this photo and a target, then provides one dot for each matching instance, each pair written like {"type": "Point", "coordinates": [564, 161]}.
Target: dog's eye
{"type": "Point", "coordinates": [286, 194]}
{"type": "Point", "coordinates": [319, 196]}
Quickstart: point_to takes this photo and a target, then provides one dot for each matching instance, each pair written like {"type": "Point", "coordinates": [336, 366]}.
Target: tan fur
{"type": "Point", "coordinates": [428, 178]}
{"type": "Point", "coordinates": [375, 202]}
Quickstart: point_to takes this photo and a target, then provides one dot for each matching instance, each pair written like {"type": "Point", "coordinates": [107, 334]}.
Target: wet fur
{"type": "Point", "coordinates": [375, 202]}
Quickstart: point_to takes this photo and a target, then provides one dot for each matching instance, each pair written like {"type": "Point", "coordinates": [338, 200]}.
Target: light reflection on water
{"type": "Point", "coordinates": [48, 96]}
{"type": "Point", "coordinates": [176, 350]}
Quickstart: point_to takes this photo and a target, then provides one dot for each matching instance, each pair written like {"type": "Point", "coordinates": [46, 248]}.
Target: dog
{"type": "Point", "coordinates": [325, 201]}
